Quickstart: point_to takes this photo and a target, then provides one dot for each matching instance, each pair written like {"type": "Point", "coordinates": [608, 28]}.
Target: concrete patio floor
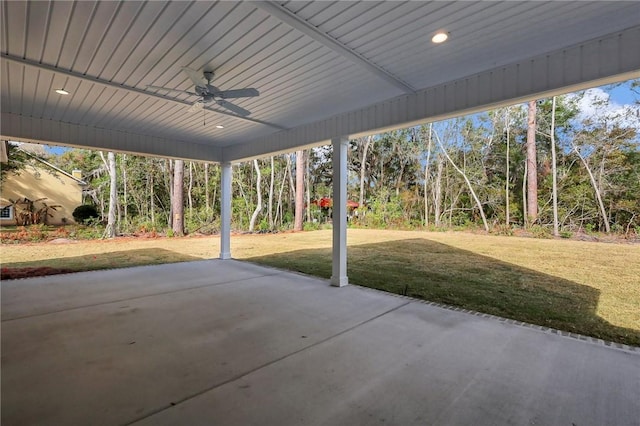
{"type": "Point", "coordinates": [232, 343]}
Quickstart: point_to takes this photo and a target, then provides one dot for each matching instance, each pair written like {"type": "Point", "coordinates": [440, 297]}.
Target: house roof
{"type": "Point", "coordinates": [323, 69]}
{"type": "Point", "coordinates": [36, 157]}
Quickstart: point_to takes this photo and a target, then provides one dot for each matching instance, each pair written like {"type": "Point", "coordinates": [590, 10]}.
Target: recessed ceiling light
{"type": "Point", "coordinates": [62, 92]}
{"type": "Point", "coordinates": [219, 126]}
{"type": "Point", "coordinates": [440, 37]}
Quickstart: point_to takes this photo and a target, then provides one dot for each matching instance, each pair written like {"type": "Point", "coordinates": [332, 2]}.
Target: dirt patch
{"type": "Point", "coordinates": [62, 241]}
{"type": "Point", "coordinates": [15, 273]}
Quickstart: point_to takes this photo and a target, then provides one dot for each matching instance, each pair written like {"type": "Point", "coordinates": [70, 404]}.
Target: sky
{"type": "Point", "coordinates": [624, 102]}
{"type": "Point", "coordinates": [623, 94]}
{"type": "Point", "coordinates": [627, 115]}
{"type": "Point", "coordinates": [617, 104]}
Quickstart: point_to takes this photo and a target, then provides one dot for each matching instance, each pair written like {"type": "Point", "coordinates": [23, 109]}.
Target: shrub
{"type": "Point", "coordinates": [91, 231]}
{"type": "Point", "coordinates": [503, 229]}
{"type": "Point", "coordinates": [566, 234]}
{"type": "Point", "coordinates": [60, 233]}
{"type": "Point", "coordinates": [35, 233]}
{"type": "Point", "coordinates": [539, 231]}
{"type": "Point", "coordinates": [84, 212]}
{"type": "Point", "coordinates": [311, 226]}
{"type": "Point", "coordinates": [32, 234]}
{"type": "Point", "coordinates": [263, 226]}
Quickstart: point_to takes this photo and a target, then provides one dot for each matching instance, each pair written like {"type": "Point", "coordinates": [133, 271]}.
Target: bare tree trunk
{"type": "Point", "coordinates": [207, 205]}
{"type": "Point", "coordinates": [244, 197]}
{"type": "Point", "coordinates": [599, 182]}
{"type": "Point", "coordinates": [507, 126]}
{"type": "Point", "coordinates": [254, 216]}
{"type": "Point", "coordinates": [605, 217]}
{"type": "Point", "coordinates": [437, 192]}
{"type": "Point", "coordinates": [152, 200]}
{"type": "Point", "coordinates": [177, 203]}
{"type": "Point", "coordinates": [464, 176]}
{"type": "Point", "coordinates": [299, 210]}
{"type": "Point", "coordinates": [171, 183]}
{"type": "Point", "coordinates": [110, 231]}
{"type": "Point", "coordinates": [532, 165]}
{"type": "Point", "coordinates": [554, 170]}
{"type": "Point", "coordinates": [124, 187]}
{"type": "Point", "coordinates": [399, 180]}
{"type": "Point", "coordinates": [426, 177]}
{"type": "Point", "coordinates": [271, 182]}
{"type": "Point", "coordinates": [292, 184]}
{"type": "Point", "coordinates": [307, 183]}
{"type": "Point", "coordinates": [525, 219]}
{"type": "Point", "coordinates": [214, 196]}
{"type": "Point", "coordinates": [101, 205]}
{"type": "Point", "coordinates": [279, 206]}
{"type": "Point", "coordinates": [363, 168]}
{"type": "Point", "coordinates": [190, 190]}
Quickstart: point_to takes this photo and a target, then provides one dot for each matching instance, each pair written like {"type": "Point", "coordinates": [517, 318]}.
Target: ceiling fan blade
{"type": "Point", "coordinates": [238, 93]}
{"type": "Point", "coordinates": [233, 108]}
{"type": "Point", "coordinates": [196, 77]}
{"type": "Point", "coordinates": [197, 106]}
{"type": "Point", "coordinates": [170, 90]}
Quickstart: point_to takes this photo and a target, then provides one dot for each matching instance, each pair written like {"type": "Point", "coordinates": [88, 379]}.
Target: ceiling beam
{"type": "Point", "coordinates": [293, 20]}
{"type": "Point", "coordinates": [105, 83]}
{"type": "Point", "coordinates": [31, 129]}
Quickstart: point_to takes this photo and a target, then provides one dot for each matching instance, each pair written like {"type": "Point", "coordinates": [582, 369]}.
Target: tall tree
{"type": "Point", "coordinates": [532, 165]}
{"type": "Point", "coordinates": [110, 231]}
{"type": "Point", "coordinates": [507, 126]}
{"type": "Point", "coordinates": [307, 184]}
{"type": "Point", "coordinates": [466, 179]}
{"type": "Point", "coordinates": [206, 188]}
{"type": "Point", "coordinates": [299, 211]}
{"type": "Point", "coordinates": [426, 176]}
{"type": "Point", "coordinates": [254, 216]}
{"type": "Point", "coordinates": [554, 168]}
{"type": "Point", "coordinates": [125, 197]}
{"type": "Point", "coordinates": [596, 188]}
{"type": "Point", "coordinates": [271, 184]}
{"type": "Point", "coordinates": [177, 201]}
{"type": "Point", "coordinates": [363, 167]}
{"type": "Point", "coordinates": [437, 191]}
{"type": "Point", "coordinates": [16, 159]}
{"type": "Point", "coordinates": [190, 190]}
{"type": "Point", "coordinates": [279, 209]}
{"type": "Point", "coordinates": [152, 195]}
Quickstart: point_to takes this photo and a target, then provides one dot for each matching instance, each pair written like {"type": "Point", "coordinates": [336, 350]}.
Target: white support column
{"type": "Point", "coordinates": [339, 266]}
{"type": "Point", "coordinates": [225, 212]}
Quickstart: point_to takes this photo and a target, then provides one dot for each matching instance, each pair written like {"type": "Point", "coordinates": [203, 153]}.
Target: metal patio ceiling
{"type": "Point", "coordinates": [324, 69]}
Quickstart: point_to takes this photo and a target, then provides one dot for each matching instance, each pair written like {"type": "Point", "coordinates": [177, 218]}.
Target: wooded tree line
{"type": "Point", "coordinates": [545, 165]}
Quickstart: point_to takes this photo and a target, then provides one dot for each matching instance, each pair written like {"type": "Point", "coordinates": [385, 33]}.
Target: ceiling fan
{"type": "Point", "coordinates": [207, 93]}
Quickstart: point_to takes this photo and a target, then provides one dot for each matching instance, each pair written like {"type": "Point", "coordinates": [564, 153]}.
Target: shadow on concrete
{"type": "Point", "coordinates": [92, 262]}
{"type": "Point", "coordinates": [436, 272]}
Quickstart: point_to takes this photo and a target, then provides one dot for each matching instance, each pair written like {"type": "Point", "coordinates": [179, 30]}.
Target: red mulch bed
{"type": "Point", "coordinates": [14, 273]}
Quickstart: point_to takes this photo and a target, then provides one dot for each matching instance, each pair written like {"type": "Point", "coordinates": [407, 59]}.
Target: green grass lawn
{"type": "Point", "coordinates": [437, 272]}
{"type": "Point", "coordinates": [582, 287]}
